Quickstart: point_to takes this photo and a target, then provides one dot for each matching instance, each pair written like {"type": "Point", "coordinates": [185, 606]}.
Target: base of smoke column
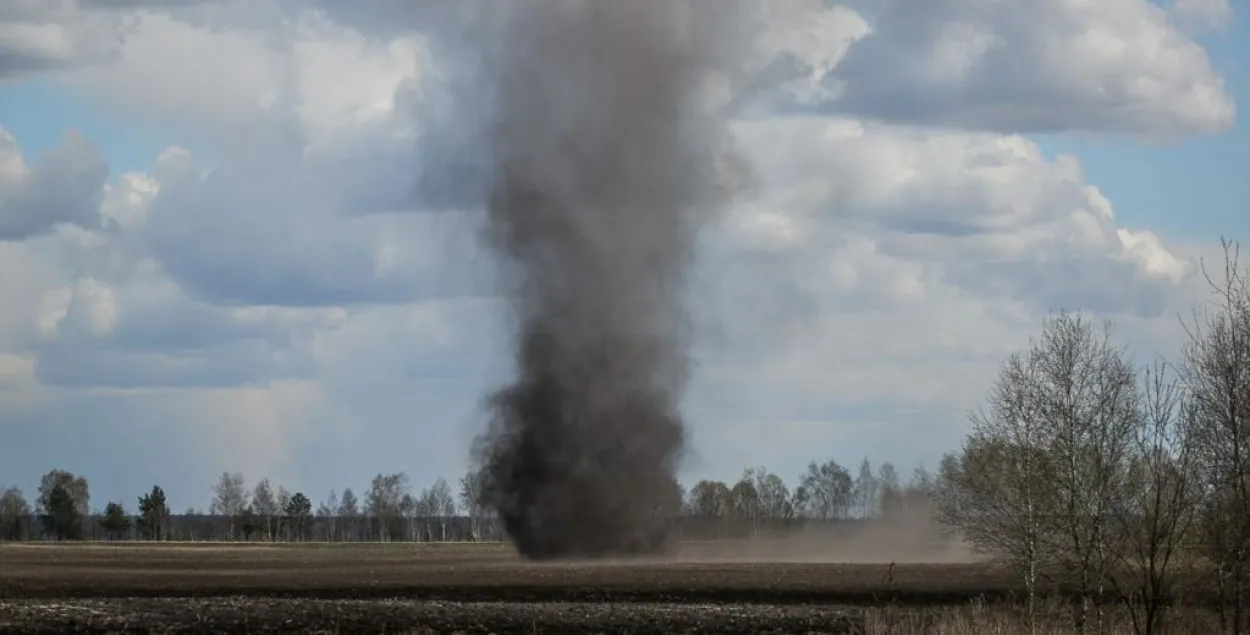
{"type": "Point", "coordinates": [653, 544]}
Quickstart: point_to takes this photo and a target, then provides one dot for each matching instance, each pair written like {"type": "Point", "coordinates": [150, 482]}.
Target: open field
{"type": "Point", "coordinates": [469, 588]}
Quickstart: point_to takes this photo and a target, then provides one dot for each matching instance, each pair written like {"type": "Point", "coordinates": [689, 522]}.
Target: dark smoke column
{"type": "Point", "coordinates": [603, 168]}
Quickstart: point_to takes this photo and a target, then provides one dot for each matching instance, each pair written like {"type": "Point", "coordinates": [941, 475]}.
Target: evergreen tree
{"type": "Point", "coordinates": [62, 518]}
{"type": "Point", "coordinates": [153, 515]}
{"type": "Point", "coordinates": [298, 511]}
{"type": "Point", "coordinates": [116, 521]}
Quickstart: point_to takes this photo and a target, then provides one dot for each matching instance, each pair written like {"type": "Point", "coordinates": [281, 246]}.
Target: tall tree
{"type": "Point", "coordinates": [298, 514]}
{"type": "Point", "coordinates": [328, 511]}
{"type": "Point", "coordinates": [1215, 367]}
{"type": "Point", "coordinates": [996, 494]}
{"type": "Point", "coordinates": [154, 515]}
{"type": "Point", "coordinates": [415, 509]}
{"type": "Point", "coordinates": [229, 500]}
{"type": "Point", "coordinates": [62, 516]}
{"type": "Point", "coordinates": [1042, 471]}
{"type": "Point", "coordinates": [865, 489]}
{"type": "Point", "coordinates": [471, 493]}
{"type": "Point", "coordinates": [442, 505]}
{"type": "Point", "coordinates": [889, 489]}
{"type": "Point", "coordinates": [1158, 510]}
{"type": "Point", "coordinates": [75, 486]}
{"type": "Point", "coordinates": [14, 511]}
{"type": "Point", "coordinates": [744, 500]}
{"type": "Point", "coordinates": [383, 502]}
{"type": "Point", "coordinates": [774, 495]}
{"type": "Point", "coordinates": [265, 504]}
{"type": "Point", "coordinates": [711, 499]}
{"type": "Point", "coordinates": [349, 515]}
{"type": "Point", "coordinates": [828, 486]}
{"type": "Point", "coordinates": [115, 522]}
{"type": "Point", "coordinates": [1088, 396]}
{"type": "Point", "coordinates": [283, 499]}
{"type": "Point", "coordinates": [913, 500]}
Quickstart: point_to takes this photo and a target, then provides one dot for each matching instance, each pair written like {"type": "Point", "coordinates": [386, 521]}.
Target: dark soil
{"type": "Point", "coordinates": [255, 615]}
{"type": "Point", "coordinates": [445, 589]}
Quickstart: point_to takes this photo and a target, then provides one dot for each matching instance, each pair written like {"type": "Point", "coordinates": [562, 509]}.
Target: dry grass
{"type": "Point", "coordinates": [980, 618]}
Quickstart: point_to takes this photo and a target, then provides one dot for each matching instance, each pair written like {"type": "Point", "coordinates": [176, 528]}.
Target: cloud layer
{"type": "Point", "coordinates": [308, 299]}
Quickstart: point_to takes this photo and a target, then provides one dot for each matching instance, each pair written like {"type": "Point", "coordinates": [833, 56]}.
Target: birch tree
{"type": "Point", "coordinates": [14, 510]}
{"type": "Point", "coordinates": [994, 492]}
{"type": "Point", "coordinates": [1215, 368]}
{"type": "Point", "coordinates": [349, 515]}
{"type": "Point", "coordinates": [383, 502]}
{"type": "Point", "coordinates": [229, 500]}
{"type": "Point", "coordinates": [866, 490]}
{"type": "Point", "coordinates": [328, 511]}
{"type": "Point", "coordinates": [828, 486]}
{"type": "Point", "coordinates": [774, 495]}
{"type": "Point", "coordinates": [1159, 506]}
{"type": "Point", "coordinates": [471, 489]}
{"type": "Point", "coordinates": [1087, 393]}
{"type": "Point", "coordinates": [265, 504]}
{"type": "Point", "coordinates": [744, 500]}
{"type": "Point", "coordinates": [443, 505]}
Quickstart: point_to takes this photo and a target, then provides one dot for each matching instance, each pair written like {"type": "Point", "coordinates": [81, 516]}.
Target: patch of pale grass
{"type": "Point", "coordinates": [979, 618]}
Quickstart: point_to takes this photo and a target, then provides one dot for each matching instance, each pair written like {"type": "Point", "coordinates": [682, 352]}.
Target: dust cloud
{"type": "Point", "coordinates": [604, 163]}
{"type": "Point", "coordinates": [910, 539]}
{"type": "Point", "coordinates": [915, 539]}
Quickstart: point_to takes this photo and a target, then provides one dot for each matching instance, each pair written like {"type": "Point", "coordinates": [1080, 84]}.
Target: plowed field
{"type": "Point", "coordinates": [449, 588]}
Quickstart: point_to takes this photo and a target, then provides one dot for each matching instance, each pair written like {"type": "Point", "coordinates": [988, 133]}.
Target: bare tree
{"type": "Point", "coordinates": [265, 504]}
{"type": "Point", "coordinates": [865, 490]}
{"type": "Point", "coordinates": [995, 491]}
{"type": "Point", "coordinates": [327, 512]}
{"type": "Point", "coordinates": [1216, 371]}
{"type": "Point", "coordinates": [13, 513]}
{"type": "Point", "coordinates": [349, 514]}
{"type": "Point", "coordinates": [744, 500]}
{"type": "Point", "coordinates": [711, 499]}
{"type": "Point", "coordinates": [471, 500]}
{"type": "Point", "coordinates": [411, 509]}
{"type": "Point", "coordinates": [1159, 505]}
{"type": "Point", "coordinates": [829, 488]}
{"type": "Point", "coordinates": [283, 502]}
{"type": "Point", "coordinates": [888, 487]}
{"type": "Point", "coordinates": [229, 500]}
{"type": "Point", "coordinates": [442, 504]}
{"type": "Point", "coordinates": [774, 495]}
{"type": "Point", "coordinates": [1040, 478]}
{"type": "Point", "coordinates": [912, 500]}
{"type": "Point", "coordinates": [383, 502]}
{"type": "Point", "coordinates": [1088, 396]}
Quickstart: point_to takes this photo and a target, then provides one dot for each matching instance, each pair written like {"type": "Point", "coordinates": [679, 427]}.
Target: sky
{"type": "Point", "coordinates": [222, 249]}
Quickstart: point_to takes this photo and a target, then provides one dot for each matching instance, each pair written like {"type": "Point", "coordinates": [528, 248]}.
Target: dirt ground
{"type": "Point", "coordinates": [450, 588]}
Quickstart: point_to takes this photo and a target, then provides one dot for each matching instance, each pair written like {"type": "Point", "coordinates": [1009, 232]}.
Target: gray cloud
{"type": "Point", "coordinates": [63, 186]}
{"type": "Point", "coordinates": [1020, 67]}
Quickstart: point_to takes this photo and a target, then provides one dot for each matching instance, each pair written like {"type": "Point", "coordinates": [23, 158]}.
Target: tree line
{"type": "Point", "coordinates": [760, 501]}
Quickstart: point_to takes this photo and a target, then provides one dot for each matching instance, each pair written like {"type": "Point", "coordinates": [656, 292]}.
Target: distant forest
{"type": "Point", "coordinates": [760, 502]}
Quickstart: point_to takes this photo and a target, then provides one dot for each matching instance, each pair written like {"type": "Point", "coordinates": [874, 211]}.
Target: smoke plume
{"type": "Point", "coordinates": [604, 163]}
